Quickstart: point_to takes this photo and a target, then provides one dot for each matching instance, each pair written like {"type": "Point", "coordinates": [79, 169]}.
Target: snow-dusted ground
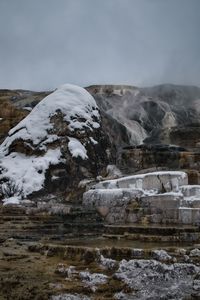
{"type": "Point", "coordinates": [160, 276]}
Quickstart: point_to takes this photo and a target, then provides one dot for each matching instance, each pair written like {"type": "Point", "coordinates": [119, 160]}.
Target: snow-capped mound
{"type": "Point", "coordinates": [77, 107]}
{"type": "Point", "coordinates": [55, 141]}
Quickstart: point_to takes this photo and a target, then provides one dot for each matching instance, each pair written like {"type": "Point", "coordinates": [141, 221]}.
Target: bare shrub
{"type": "Point", "coordinates": [9, 189]}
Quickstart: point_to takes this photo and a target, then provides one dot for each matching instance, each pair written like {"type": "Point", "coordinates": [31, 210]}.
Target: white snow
{"type": "Point", "coordinates": [15, 200]}
{"type": "Point", "coordinates": [93, 279]}
{"type": "Point", "coordinates": [28, 172]}
{"type": "Point", "coordinates": [93, 141]}
{"type": "Point", "coordinates": [27, 108]}
{"type": "Point", "coordinates": [77, 149]}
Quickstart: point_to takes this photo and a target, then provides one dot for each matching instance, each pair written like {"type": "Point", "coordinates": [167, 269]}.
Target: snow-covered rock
{"type": "Point", "coordinates": [107, 263]}
{"type": "Point", "coordinates": [11, 201]}
{"type": "Point", "coordinates": [92, 280]}
{"type": "Point", "coordinates": [195, 253]}
{"type": "Point", "coordinates": [161, 255]}
{"type": "Point", "coordinates": [77, 107]}
{"type": "Point", "coordinates": [59, 143]}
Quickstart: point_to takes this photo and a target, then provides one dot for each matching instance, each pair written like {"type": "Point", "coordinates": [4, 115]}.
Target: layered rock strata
{"type": "Point", "coordinates": [152, 198]}
{"type": "Point", "coordinates": [160, 157]}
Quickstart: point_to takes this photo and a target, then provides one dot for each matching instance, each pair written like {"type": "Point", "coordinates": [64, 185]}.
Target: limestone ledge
{"type": "Point", "coordinates": [152, 198]}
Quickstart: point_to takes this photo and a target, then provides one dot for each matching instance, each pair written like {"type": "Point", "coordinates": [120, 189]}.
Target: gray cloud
{"type": "Point", "coordinates": [45, 43]}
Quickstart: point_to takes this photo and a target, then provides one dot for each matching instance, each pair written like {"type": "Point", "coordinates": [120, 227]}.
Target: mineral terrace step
{"type": "Point", "coordinates": [190, 190]}
{"type": "Point", "coordinates": [189, 215]}
{"type": "Point", "coordinates": [181, 237]}
{"type": "Point", "coordinates": [169, 180]}
{"type": "Point", "coordinates": [155, 230]}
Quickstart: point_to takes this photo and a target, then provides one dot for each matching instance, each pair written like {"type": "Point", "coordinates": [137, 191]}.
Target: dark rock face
{"type": "Point", "coordinates": [165, 114]}
{"type": "Point", "coordinates": [117, 133]}
{"type": "Point", "coordinates": [155, 118]}
{"type": "Point", "coordinates": [133, 159]}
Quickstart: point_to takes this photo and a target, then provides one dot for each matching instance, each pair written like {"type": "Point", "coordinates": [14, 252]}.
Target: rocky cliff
{"type": "Point", "coordinates": [166, 114]}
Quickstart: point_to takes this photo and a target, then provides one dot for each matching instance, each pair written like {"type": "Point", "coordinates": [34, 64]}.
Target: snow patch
{"type": "Point", "coordinates": [77, 149]}
{"type": "Point", "coordinates": [28, 172]}
{"type": "Point", "coordinates": [15, 200]}
{"type": "Point", "coordinates": [91, 280]}
{"type": "Point", "coordinates": [27, 108]}
{"type": "Point", "coordinates": [93, 141]}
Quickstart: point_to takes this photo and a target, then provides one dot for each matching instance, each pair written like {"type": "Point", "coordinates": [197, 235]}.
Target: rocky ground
{"type": "Point", "coordinates": [38, 270]}
{"type": "Point", "coordinates": [59, 257]}
{"type": "Point", "coordinates": [84, 229]}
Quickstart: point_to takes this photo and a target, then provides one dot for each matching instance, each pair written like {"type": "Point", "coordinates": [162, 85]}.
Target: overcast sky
{"type": "Point", "coordinates": [44, 43]}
